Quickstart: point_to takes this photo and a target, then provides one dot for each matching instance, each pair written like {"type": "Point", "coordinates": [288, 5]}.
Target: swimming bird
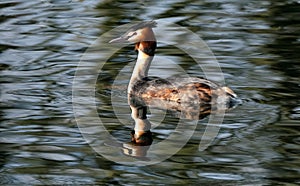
{"type": "Point", "coordinates": [173, 92]}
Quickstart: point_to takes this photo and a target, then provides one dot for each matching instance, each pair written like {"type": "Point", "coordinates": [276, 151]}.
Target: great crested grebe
{"type": "Point", "coordinates": [173, 90]}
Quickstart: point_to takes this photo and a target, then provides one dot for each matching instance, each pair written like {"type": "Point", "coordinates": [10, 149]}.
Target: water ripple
{"type": "Point", "coordinates": [256, 44]}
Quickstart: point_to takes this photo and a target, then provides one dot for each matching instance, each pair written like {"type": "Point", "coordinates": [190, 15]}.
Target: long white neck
{"type": "Point", "coordinates": [141, 69]}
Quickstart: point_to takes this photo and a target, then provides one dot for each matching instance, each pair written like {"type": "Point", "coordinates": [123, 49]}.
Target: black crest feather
{"type": "Point", "coordinates": [143, 24]}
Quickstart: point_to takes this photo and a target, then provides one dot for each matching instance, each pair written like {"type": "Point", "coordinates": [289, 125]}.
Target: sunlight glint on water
{"type": "Point", "coordinates": [255, 42]}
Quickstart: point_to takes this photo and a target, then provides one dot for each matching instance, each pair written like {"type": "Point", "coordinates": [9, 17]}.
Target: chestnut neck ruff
{"type": "Point", "coordinates": [148, 47]}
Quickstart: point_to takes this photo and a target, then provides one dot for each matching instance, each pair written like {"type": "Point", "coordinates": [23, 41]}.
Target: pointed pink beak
{"type": "Point", "coordinates": [118, 40]}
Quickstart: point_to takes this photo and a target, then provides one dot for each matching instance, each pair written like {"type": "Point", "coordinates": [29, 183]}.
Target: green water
{"type": "Point", "coordinates": [256, 43]}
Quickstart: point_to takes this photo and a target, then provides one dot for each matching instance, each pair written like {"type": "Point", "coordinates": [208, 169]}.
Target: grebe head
{"type": "Point", "coordinates": [141, 32]}
{"type": "Point", "coordinates": [145, 43]}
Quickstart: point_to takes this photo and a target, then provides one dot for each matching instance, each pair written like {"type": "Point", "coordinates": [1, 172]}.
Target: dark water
{"type": "Point", "coordinates": [257, 44]}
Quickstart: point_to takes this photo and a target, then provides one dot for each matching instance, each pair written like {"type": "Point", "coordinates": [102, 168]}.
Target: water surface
{"type": "Point", "coordinates": [257, 46]}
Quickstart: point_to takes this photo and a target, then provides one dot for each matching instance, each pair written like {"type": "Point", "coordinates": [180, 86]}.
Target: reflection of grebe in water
{"type": "Point", "coordinates": [175, 91]}
{"type": "Point", "coordinates": [141, 136]}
